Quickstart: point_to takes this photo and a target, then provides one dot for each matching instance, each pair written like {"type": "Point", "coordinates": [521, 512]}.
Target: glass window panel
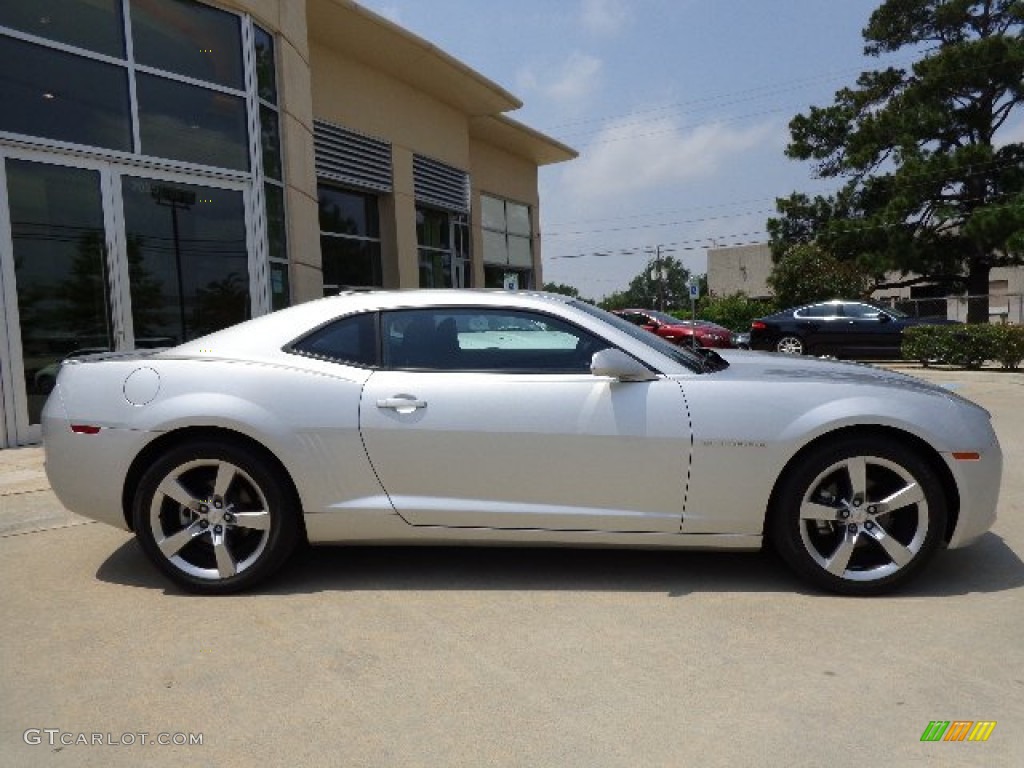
{"type": "Point", "coordinates": [270, 141]}
{"type": "Point", "coordinates": [492, 213]}
{"type": "Point", "coordinates": [860, 310]}
{"type": "Point", "coordinates": [280, 293]}
{"type": "Point", "coordinates": [432, 228]}
{"type": "Point", "coordinates": [495, 248]}
{"type": "Point", "coordinates": [349, 340]}
{"type": "Point", "coordinates": [62, 96]}
{"type": "Point", "coordinates": [189, 38]}
{"type": "Point", "coordinates": [60, 267]}
{"type": "Point", "coordinates": [277, 235]}
{"type": "Point", "coordinates": [188, 264]}
{"type": "Point", "coordinates": [485, 340]}
{"type": "Point", "coordinates": [347, 213]}
{"type": "Point", "coordinates": [435, 269]}
{"type": "Point", "coordinates": [350, 263]}
{"type": "Point", "coordinates": [518, 219]}
{"type": "Point", "coordinates": [494, 277]}
{"type": "Point", "coordinates": [95, 25]}
{"type": "Point", "coordinates": [519, 254]}
{"type": "Point", "coordinates": [186, 122]}
{"type": "Point", "coordinates": [266, 73]}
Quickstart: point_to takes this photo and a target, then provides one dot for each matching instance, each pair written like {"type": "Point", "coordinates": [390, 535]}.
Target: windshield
{"type": "Point", "coordinates": [682, 356]}
{"type": "Point", "coordinates": [896, 312]}
{"type": "Point", "coordinates": [663, 317]}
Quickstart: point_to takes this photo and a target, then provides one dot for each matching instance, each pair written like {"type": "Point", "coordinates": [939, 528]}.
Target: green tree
{"type": "Point", "coordinates": [807, 273]}
{"type": "Point", "coordinates": [646, 290]}
{"type": "Point", "coordinates": [929, 185]}
{"type": "Point", "coordinates": [562, 288]}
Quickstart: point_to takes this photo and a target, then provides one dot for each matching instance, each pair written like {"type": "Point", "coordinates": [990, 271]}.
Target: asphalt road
{"type": "Point", "coordinates": [444, 657]}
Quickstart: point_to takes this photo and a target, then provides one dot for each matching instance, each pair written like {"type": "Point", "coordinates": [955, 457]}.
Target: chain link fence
{"type": "Point", "coordinates": [1002, 308]}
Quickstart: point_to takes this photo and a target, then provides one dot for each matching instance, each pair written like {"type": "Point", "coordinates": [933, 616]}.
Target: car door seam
{"type": "Point", "coordinates": [689, 458]}
{"type": "Point", "coordinates": [366, 450]}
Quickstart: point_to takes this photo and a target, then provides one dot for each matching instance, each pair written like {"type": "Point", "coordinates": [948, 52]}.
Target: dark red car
{"type": "Point", "coordinates": [678, 331]}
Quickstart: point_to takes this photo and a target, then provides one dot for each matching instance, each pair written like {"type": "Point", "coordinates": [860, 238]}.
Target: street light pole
{"type": "Point", "coordinates": [176, 199]}
{"type": "Point", "coordinates": [660, 273]}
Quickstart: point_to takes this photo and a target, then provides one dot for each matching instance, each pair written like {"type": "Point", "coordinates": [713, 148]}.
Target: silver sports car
{"type": "Point", "coordinates": [501, 418]}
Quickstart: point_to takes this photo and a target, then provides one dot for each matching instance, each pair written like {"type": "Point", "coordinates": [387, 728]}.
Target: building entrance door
{"type": "Point", "coordinates": [57, 281]}
{"type": "Point", "coordinates": [95, 256]}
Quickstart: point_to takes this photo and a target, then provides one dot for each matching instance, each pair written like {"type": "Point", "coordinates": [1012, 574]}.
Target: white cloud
{"type": "Point", "coordinates": [632, 155]}
{"type": "Point", "coordinates": [604, 17]}
{"type": "Point", "coordinates": [576, 79]}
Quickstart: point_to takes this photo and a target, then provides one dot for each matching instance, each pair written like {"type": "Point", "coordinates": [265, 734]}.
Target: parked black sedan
{"type": "Point", "coordinates": [839, 328]}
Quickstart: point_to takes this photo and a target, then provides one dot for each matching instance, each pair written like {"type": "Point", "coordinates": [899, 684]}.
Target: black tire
{"type": "Point", "coordinates": [210, 539]}
{"type": "Point", "coordinates": [790, 344]}
{"type": "Point", "coordinates": [834, 530]}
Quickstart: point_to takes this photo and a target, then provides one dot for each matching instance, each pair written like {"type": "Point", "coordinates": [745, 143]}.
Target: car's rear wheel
{"type": "Point", "coordinates": [790, 345]}
{"type": "Point", "coordinates": [859, 517]}
{"type": "Point", "coordinates": [215, 516]}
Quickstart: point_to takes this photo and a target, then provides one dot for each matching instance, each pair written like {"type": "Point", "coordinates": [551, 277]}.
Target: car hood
{"type": "Point", "coordinates": [774, 367]}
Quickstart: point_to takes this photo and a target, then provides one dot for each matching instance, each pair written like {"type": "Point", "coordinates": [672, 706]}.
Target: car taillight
{"type": "Point", "coordinates": [85, 429]}
{"type": "Point", "coordinates": [757, 325]}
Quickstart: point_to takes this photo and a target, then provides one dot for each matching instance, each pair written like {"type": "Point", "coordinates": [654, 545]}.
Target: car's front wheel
{"type": "Point", "coordinates": [215, 517]}
{"type": "Point", "coordinates": [859, 517]}
{"type": "Point", "coordinates": [790, 345]}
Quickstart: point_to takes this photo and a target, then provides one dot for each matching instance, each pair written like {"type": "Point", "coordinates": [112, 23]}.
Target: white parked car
{"type": "Point", "coordinates": [492, 417]}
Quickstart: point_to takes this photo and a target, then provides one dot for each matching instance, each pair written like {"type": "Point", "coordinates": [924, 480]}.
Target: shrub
{"type": "Point", "coordinates": [733, 312]}
{"type": "Point", "coordinates": [924, 343]}
{"type": "Point", "coordinates": [1008, 343]}
{"type": "Point", "coordinates": [968, 346]}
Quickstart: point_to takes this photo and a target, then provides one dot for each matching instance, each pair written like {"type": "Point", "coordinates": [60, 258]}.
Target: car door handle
{"type": "Point", "coordinates": [402, 403]}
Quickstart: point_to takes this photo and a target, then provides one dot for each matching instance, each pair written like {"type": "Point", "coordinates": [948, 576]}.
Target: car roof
{"type": "Point", "coordinates": [281, 327]}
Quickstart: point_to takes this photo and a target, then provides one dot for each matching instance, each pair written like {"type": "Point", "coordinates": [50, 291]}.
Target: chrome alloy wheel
{"type": "Point", "coordinates": [790, 345]}
{"type": "Point", "coordinates": [210, 519]}
{"type": "Point", "coordinates": [864, 518]}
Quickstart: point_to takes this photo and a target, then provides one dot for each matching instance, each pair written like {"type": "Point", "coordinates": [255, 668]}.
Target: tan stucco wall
{"type": "Point", "coordinates": [498, 173]}
{"type": "Point", "coordinates": [364, 100]}
{"type": "Point", "coordinates": [744, 268]}
{"type": "Point", "coordinates": [317, 80]}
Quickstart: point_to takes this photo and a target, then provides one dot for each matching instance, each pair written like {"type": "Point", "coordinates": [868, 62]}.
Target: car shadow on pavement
{"type": "Point", "coordinates": [988, 566]}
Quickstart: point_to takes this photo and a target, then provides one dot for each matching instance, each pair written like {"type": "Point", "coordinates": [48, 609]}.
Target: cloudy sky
{"type": "Point", "coordinates": [678, 108]}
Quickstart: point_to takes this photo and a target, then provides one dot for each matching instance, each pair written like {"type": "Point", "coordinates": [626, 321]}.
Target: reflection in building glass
{"type": "Point", "coordinates": [176, 199]}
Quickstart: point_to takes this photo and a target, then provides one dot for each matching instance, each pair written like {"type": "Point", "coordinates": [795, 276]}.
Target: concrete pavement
{"type": "Point", "coordinates": [444, 657]}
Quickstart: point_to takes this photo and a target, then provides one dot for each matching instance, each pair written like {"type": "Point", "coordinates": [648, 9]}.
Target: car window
{"type": "Point", "coordinates": [664, 317]}
{"type": "Point", "coordinates": [485, 339]}
{"type": "Point", "coordinates": [684, 357]}
{"type": "Point", "coordinates": [818, 310]}
{"type": "Point", "coordinates": [351, 340]}
{"type": "Point", "coordinates": [634, 317]}
{"type": "Point", "coordinates": [861, 310]}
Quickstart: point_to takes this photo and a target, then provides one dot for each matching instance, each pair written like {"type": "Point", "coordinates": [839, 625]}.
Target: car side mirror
{"type": "Point", "coordinates": [884, 318]}
{"type": "Point", "coordinates": [616, 364]}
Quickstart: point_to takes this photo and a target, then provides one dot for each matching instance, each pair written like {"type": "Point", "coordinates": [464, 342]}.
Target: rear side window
{"type": "Point", "coordinates": [861, 310]}
{"type": "Point", "coordinates": [819, 310]}
{"type": "Point", "coordinates": [351, 340]}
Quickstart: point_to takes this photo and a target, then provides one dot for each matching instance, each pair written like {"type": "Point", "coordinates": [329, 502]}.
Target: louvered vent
{"type": "Point", "coordinates": [440, 185]}
{"type": "Point", "coordinates": [352, 159]}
